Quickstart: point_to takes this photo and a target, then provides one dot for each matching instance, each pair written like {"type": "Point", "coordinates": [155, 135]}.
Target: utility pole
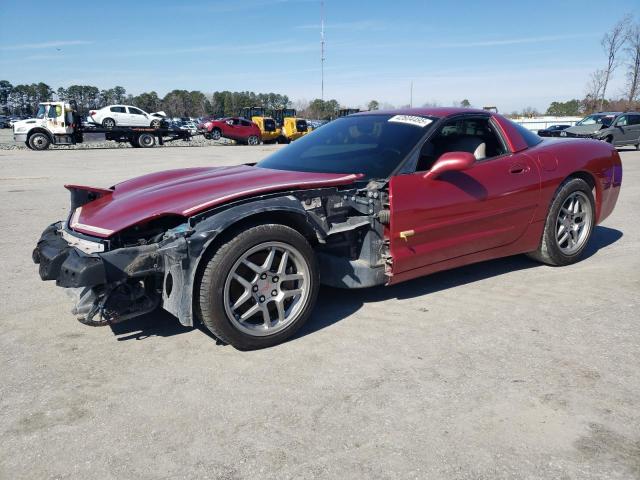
{"type": "Point", "coordinates": [411, 95]}
{"type": "Point", "coordinates": [322, 49]}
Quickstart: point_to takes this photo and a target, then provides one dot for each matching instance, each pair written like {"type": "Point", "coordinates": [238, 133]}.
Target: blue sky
{"type": "Point", "coordinates": [511, 54]}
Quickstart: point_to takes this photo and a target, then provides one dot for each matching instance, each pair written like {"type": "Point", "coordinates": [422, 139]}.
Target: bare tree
{"type": "Point", "coordinates": [612, 42]}
{"type": "Point", "coordinates": [595, 87]}
{"type": "Point", "coordinates": [633, 66]}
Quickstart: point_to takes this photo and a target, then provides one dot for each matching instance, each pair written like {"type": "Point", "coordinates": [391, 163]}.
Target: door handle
{"type": "Point", "coordinates": [517, 168]}
{"type": "Point", "coordinates": [406, 234]}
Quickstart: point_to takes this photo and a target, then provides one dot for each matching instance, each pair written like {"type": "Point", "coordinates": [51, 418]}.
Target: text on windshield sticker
{"type": "Point", "coordinates": [411, 120]}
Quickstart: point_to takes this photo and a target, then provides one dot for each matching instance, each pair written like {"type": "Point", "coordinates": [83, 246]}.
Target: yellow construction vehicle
{"type": "Point", "coordinates": [291, 127]}
{"type": "Point", "coordinates": [269, 131]}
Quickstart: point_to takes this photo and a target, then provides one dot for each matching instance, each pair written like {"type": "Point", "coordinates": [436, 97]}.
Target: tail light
{"type": "Point", "coordinates": [92, 113]}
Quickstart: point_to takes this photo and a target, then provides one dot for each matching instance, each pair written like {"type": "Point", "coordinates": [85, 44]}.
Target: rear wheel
{"type": "Point", "coordinates": [259, 288]}
{"type": "Point", "coordinates": [146, 140]}
{"type": "Point", "coordinates": [39, 141]}
{"type": "Point", "coordinates": [108, 123]}
{"type": "Point", "coordinates": [155, 123]}
{"type": "Point", "coordinates": [253, 140]}
{"type": "Point", "coordinates": [569, 224]}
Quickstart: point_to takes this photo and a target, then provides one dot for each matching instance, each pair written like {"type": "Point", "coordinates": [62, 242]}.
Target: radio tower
{"type": "Point", "coordinates": [322, 49]}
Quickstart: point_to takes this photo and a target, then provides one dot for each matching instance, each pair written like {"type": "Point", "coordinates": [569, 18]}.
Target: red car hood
{"type": "Point", "coordinates": [186, 192]}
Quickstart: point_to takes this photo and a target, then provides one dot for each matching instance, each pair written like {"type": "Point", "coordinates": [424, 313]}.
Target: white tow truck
{"type": "Point", "coordinates": [58, 123]}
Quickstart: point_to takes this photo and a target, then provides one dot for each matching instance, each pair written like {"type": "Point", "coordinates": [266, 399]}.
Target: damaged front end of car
{"type": "Point", "coordinates": [109, 285]}
{"type": "Point", "coordinates": [157, 263]}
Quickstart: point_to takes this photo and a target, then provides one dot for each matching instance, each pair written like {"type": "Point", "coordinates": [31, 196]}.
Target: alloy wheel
{"type": "Point", "coordinates": [574, 223]}
{"type": "Point", "coordinates": [266, 289]}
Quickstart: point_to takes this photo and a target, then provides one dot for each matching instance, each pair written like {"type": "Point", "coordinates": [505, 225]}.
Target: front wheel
{"type": "Point", "coordinates": [39, 141]}
{"type": "Point", "coordinates": [215, 134]}
{"type": "Point", "coordinates": [259, 288]}
{"type": "Point", "coordinates": [569, 224]}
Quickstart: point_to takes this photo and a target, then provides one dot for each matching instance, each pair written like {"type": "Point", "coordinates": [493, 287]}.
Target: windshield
{"type": "Point", "coordinates": [593, 119]}
{"type": "Point", "coordinates": [41, 111]}
{"type": "Point", "coordinates": [373, 145]}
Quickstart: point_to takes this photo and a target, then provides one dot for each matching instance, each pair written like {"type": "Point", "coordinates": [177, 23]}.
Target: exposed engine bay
{"type": "Point", "coordinates": [157, 263]}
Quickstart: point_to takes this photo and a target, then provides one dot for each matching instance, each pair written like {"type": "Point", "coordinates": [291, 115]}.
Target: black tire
{"type": "Point", "coordinates": [253, 140]}
{"type": "Point", "coordinates": [134, 144]}
{"type": "Point", "coordinates": [145, 140]}
{"type": "Point", "coordinates": [215, 134]}
{"type": "Point", "coordinates": [155, 123]}
{"type": "Point", "coordinates": [549, 251]}
{"type": "Point", "coordinates": [210, 289]}
{"type": "Point", "coordinates": [39, 141]}
{"type": "Point", "coordinates": [108, 123]}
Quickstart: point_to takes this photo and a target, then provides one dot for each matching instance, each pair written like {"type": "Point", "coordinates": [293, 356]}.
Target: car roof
{"type": "Point", "coordinates": [425, 111]}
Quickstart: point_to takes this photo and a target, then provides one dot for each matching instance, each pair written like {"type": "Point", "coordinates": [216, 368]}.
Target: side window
{"type": "Point", "coordinates": [235, 121]}
{"type": "Point", "coordinates": [118, 109]}
{"type": "Point", "coordinates": [135, 111]}
{"type": "Point", "coordinates": [244, 123]}
{"type": "Point", "coordinates": [634, 119]}
{"type": "Point", "coordinates": [475, 135]}
{"type": "Point", "coordinates": [622, 121]}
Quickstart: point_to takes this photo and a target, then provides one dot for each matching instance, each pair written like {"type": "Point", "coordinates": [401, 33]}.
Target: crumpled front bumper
{"type": "Point", "coordinates": [72, 268]}
{"type": "Point", "coordinates": [68, 266]}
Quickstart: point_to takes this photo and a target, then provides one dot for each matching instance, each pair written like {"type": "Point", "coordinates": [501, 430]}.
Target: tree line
{"type": "Point", "coordinates": [23, 99]}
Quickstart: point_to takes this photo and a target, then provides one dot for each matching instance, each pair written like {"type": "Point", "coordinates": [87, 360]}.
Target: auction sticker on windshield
{"type": "Point", "coordinates": [411, 120]}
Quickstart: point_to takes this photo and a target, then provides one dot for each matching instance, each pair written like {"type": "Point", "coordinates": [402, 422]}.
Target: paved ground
{"type": "Point", "coordinates": [505, 369]}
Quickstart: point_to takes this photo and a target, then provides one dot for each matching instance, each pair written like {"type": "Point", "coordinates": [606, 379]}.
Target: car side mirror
{"type": "Point", "coordinates": [450, 161]}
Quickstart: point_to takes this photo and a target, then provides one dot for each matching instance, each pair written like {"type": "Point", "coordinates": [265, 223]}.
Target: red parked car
{"type": "Point", "coordinates": [375, 198]}
{"type": "Point", "coordinates": [234, 128]}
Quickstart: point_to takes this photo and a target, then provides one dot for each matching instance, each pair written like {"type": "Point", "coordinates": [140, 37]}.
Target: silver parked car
{"type": "Point", "coordinates": [623, 131]}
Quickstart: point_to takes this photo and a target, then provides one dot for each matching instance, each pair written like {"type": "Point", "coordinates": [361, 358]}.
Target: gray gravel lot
{"type": "Point", "coordinates": [505, 369]}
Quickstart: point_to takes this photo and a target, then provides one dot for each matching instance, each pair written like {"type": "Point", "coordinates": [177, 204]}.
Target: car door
{"type": "Point", "coordinates": [460, 213]}
{"type": "Point", "coordinates": [137, 117]}
{"type": "Point", "coordinates": [634, 129]}
{"type": "Point", "coordinates": [619, 130]}
{"type": "Point", "coordinates": [118, 113]}
{"type": "Point", "coordinates": [246, 129]}
{"type": "Point", "coordinates": [234, 129]}
{"type": "Point", "coordinates": [228, 128]}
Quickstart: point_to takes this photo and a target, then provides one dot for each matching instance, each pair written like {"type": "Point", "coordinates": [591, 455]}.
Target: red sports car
{"type": "Point", "coordinates": [370, 199]}
{"type": "Point", "coordinates": [234, 128]}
